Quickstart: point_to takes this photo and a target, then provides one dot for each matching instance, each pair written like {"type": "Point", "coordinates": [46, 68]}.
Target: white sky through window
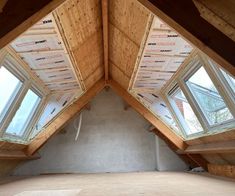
{"type": "Point", "coordinates": [24, 113]}
{"type": "Point", "coordinates": [9, 85]}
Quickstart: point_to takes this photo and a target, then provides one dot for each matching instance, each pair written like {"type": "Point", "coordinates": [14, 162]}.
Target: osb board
{"type": "Point", "coordinates": [94, 77]}
{"type": "Point", "coordinates": [119, 76]}
{"type": "Point", "coordinates": [224, 136]}
{"type": "Point", "coordinates": [89, 56]}
{"type": "Point", "coordinates": [122, 51]}
{"type": "Point", "coordinates": [7, 166]}
{"type": "Point", "coordinates": [130, 17]}
{"type": "Point", "coordinates": [11, 146]}
{"type": "Point", "coordinates": [222, 170]}
{"type": "Point", "coordinates": [81, 22]}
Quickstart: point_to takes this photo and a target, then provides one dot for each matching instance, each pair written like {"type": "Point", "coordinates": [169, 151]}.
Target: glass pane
{"type": "Point", "coordinates": [9, 87]}
{"type": "Point", "coordinates": [230, 79]}
{"type": "Point", "coordinates": [24, 114]}
{"type": "Point", "coordinates": [208, 98]}
{"type": "Point", "coordinates": [191, 121]}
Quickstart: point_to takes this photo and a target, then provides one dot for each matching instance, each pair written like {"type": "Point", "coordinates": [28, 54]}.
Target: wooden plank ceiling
{"type": "Point", "coordinates": [90, 43]}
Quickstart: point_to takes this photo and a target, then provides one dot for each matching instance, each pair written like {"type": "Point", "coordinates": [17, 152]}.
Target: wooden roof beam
{"type": "Point", "coordinates": [176, 140]}
{"type": "Point", "coordinates": [105, 38]}
{"type": "Point", "coordinates": [17, 16]}
{"type": "Point", "coordinates": [184, 17]}
{"type": "Point", "coordinates": [64, 117]}
{"type": "Point", "coordinates": [16, 155]}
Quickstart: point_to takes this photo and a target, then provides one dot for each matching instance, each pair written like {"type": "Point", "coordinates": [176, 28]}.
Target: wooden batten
{"type": "Point", "coordinates": [126, 32]}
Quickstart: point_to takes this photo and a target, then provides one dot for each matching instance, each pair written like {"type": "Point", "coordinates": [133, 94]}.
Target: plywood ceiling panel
{"type": "Point", "coordinates": [81, 22]}
{"type": "Point", "coordinates": [123, 51]}
{"type": "Point", "coordinates": [129, 17]}
{"type": "Point", "coordinates": [126, 31]}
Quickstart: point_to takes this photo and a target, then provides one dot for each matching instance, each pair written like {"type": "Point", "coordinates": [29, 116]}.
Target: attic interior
{"type": "Point", "coordinates": [117, 97]}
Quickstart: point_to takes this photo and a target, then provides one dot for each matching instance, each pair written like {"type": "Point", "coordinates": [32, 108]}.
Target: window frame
{"type": "Point", "coordinates": [195, 60]}
{"type": "Point", "coordinates": [12, 65]}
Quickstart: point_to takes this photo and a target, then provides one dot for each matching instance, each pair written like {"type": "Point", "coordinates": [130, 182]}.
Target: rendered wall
{"type": "Point", "coordinates": [111, 140]}
{"type": "Point", "coordinates": [166, 159]}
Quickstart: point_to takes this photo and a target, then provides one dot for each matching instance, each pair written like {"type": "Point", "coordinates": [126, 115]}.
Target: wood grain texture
{"type": "Point", "coordinates": [81, 22]}
{"type": "Point", "coordinates": [127, 23]}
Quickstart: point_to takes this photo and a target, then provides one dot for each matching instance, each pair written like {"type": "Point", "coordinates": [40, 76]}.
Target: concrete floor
{"type": "Point", "coordinates": [146, 183]}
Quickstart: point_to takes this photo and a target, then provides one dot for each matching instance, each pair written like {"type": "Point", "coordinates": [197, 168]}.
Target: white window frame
{"type": "Point", "coordinates": [12, 65]}
{"type": "Point", "coordinates": [187, 69]}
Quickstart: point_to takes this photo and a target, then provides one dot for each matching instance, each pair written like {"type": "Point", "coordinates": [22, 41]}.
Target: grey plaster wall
{"type": "Point", "coordinates": [166, 159]}
{"type": "Point", "coordinates": [111, 140]}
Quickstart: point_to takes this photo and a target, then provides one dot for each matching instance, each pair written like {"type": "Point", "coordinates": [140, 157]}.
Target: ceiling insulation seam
{"type": "Point", "coordinates": [32, 43]}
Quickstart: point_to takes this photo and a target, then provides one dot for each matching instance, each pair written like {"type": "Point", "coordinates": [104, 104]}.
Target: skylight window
{"type": "Point", "coordinates": [230, 79]}
{"type": "Point", "coordinates": [208, 97]}
{"type": "Point", "coordinates": [20, 100]}
{"type": "Point", "coordinates": [24, 114]}
{"type": "Point", "coordinates": [185, 113]}
{"type": "Point", "coordinates": [9, 87]}
{"type": "Point", "coordinates": [201, 97]}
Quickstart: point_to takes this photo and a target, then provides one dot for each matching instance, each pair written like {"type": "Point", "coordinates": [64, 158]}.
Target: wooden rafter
{"type": "Point", "coordinates": [22, 14]}
{"type": "Point", "coordinates": [177, 141]}
{"type": "Point", "coordinates": [105, 37]}
{"type": "Point", "coordinates": [184, 17]}
{"type": "Point", "coordinates": [64, 118]}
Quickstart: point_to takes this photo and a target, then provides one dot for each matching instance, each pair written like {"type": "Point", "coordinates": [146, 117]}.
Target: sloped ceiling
{"type": "Point", "coordinates": [80, 26]}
